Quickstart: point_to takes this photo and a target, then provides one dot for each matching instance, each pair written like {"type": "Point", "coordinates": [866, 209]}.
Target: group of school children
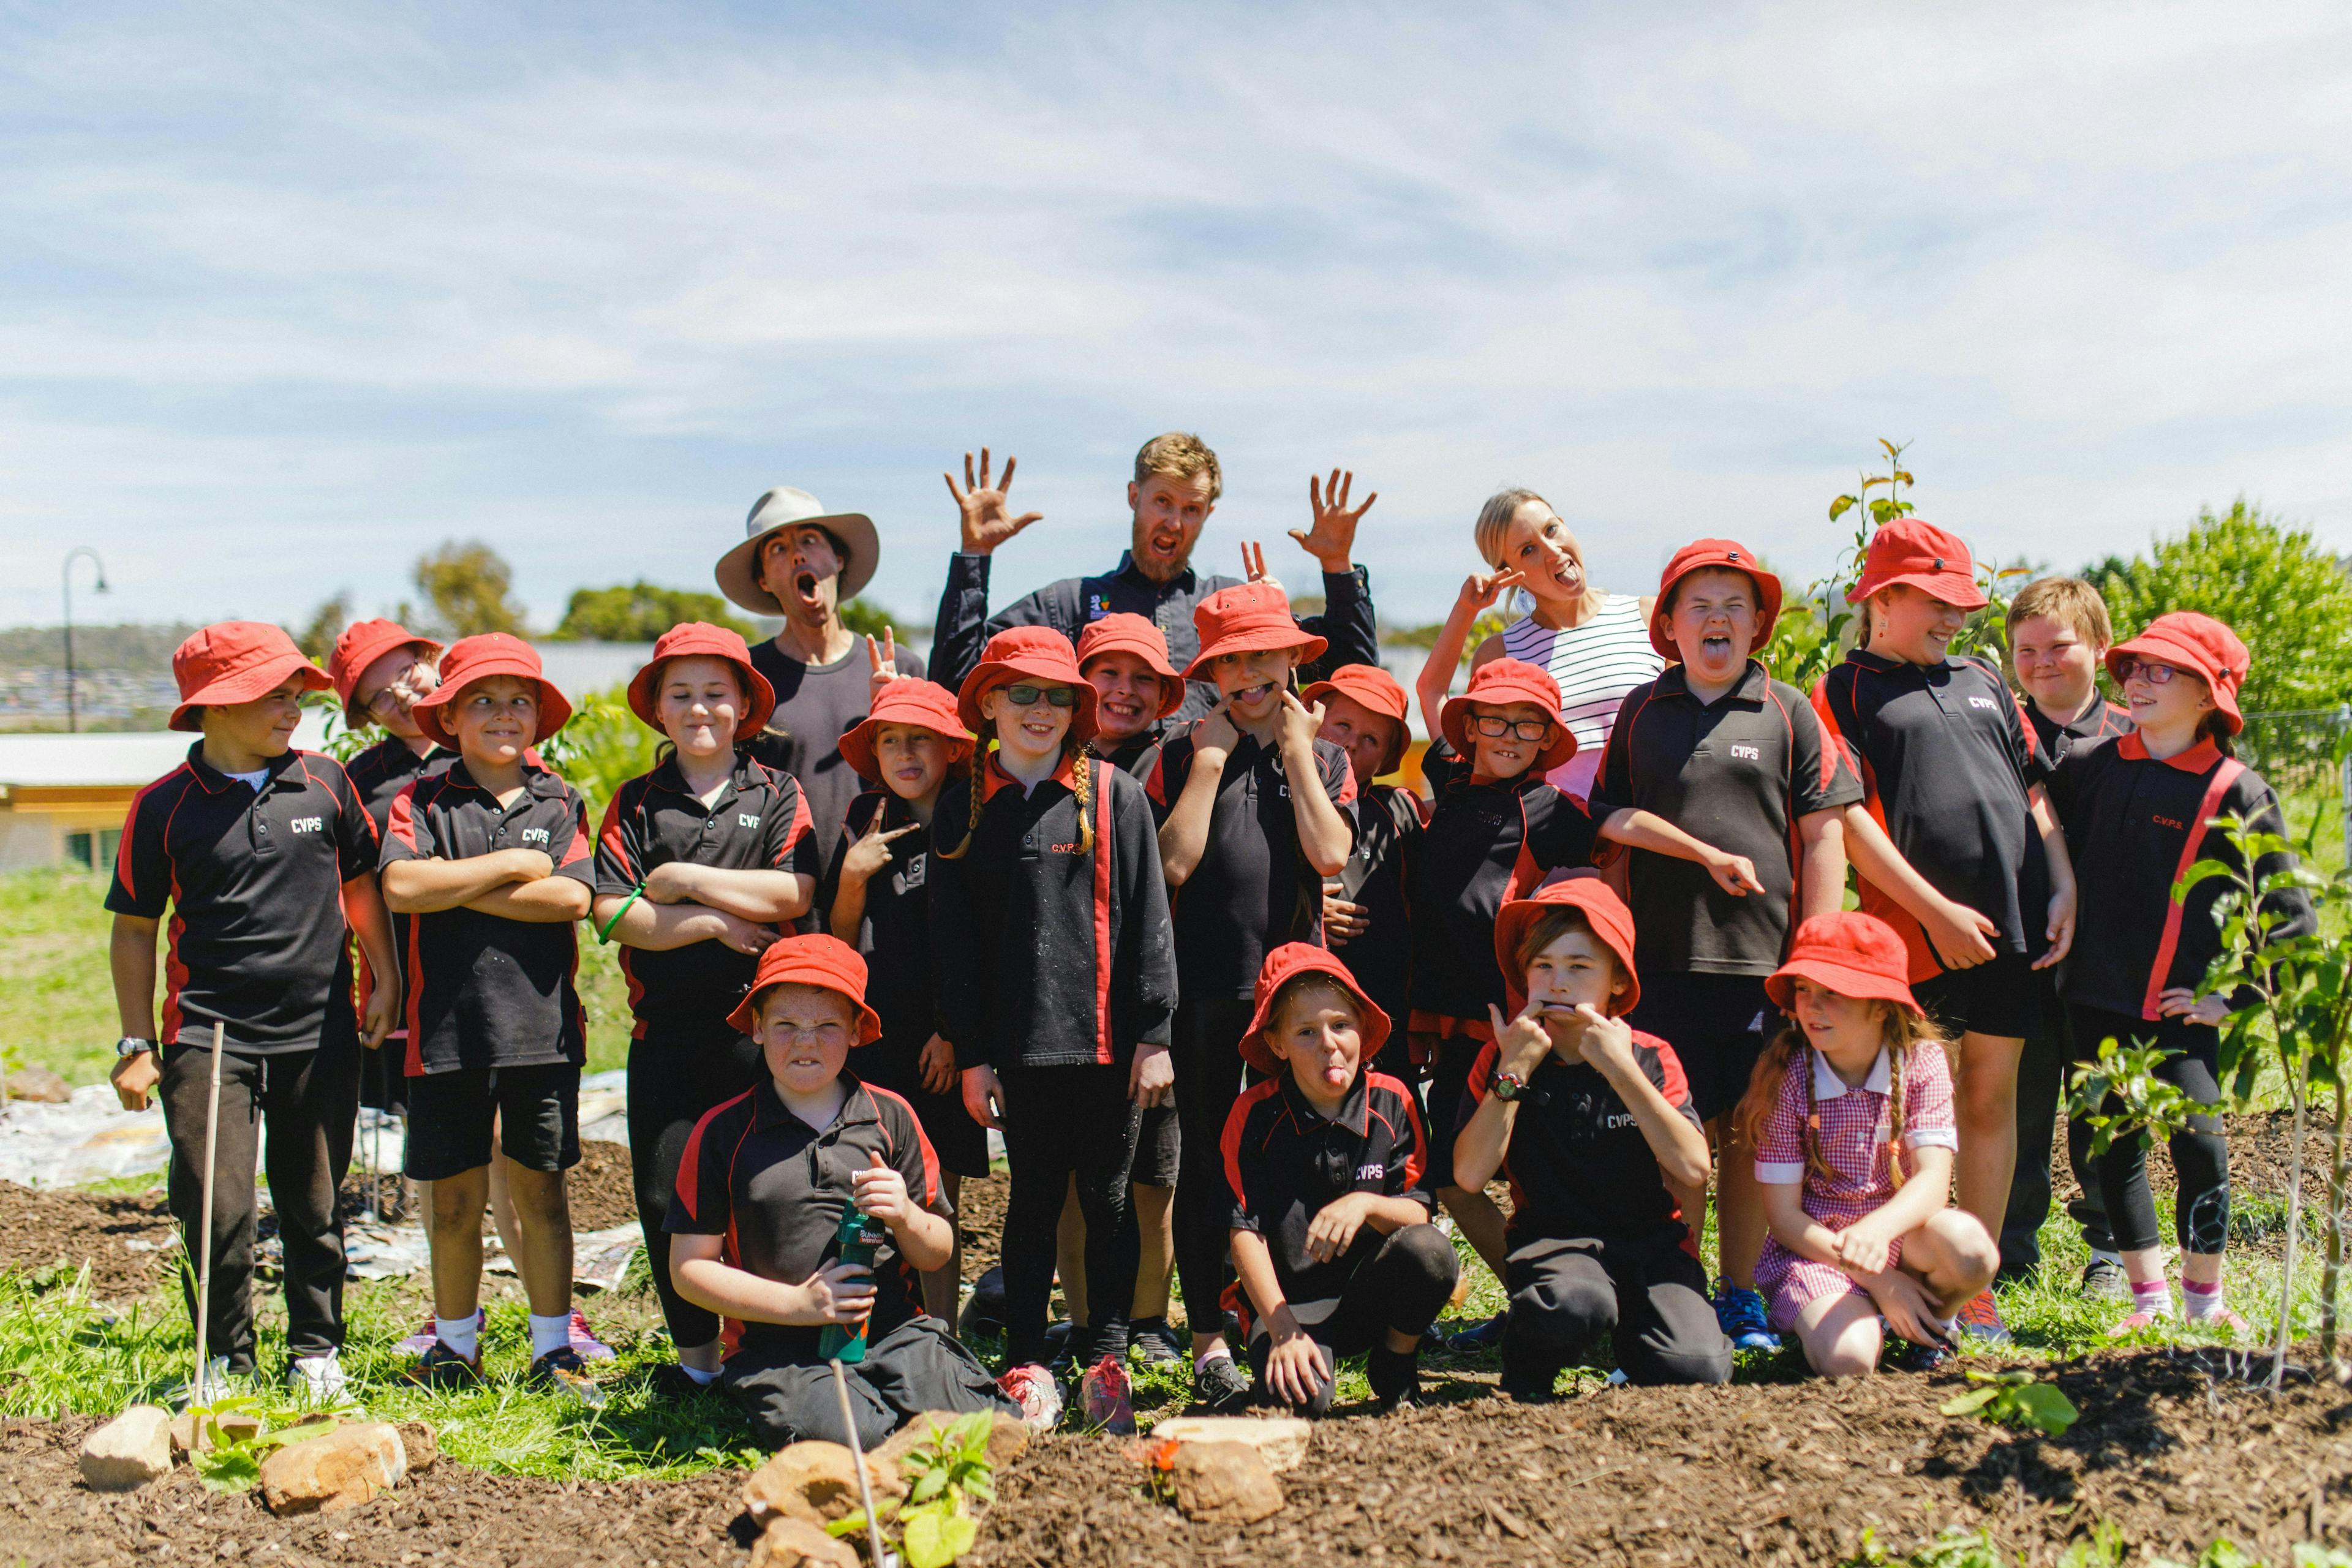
{"type": "Point", "coordinates": [1215, 956]}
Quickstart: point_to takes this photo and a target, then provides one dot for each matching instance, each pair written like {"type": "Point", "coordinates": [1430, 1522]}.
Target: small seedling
{"type": "Point", "coordinates": [945, 1473]}
{"type": "Point", "coordinates": [2016, 1399]}
{"type": "Point", "coordinates": [228, 1457]}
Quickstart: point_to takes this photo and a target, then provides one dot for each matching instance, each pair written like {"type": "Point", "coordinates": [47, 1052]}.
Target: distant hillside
{"type": "Point", "coordinates": [134, 649]}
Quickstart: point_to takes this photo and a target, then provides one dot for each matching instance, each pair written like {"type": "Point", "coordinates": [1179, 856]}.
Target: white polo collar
{"type": "Point", "coordinates": [1827, 1085]}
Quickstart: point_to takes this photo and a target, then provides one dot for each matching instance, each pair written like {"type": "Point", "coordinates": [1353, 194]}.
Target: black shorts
{"type": "Point", "coordinates": [537, 1109]}
{"type": "Point", "coordinates": [1717, 1025]}
{"type": "Point", "coordinates": [1158, 1147]}
{"type": "Point", "coordinates": [960, 1143]}
{"type": "Point", "coordinates": [2002, 997]}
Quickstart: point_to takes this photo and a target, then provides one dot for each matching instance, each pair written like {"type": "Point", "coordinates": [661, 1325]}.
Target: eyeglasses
{"type": "Point", "coordinates": [1025, 695]}
{"type": "Point", "coordinates": [1525, 729]}
{"type": "Point", "coordinates": [2128, 667]}
{"type": "Point", "coordinates": [419, 680]}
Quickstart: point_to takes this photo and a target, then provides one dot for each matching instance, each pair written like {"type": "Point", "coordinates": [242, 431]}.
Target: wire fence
{"type": "Point", "coordinates": [2297, 750]}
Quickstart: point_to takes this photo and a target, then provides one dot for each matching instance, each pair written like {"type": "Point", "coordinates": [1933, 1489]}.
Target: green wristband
{"type": "Point", "coordinates": [605, 935]}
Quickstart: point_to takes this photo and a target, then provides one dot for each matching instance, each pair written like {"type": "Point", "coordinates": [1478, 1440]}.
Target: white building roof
{"type": "Point", "coordinates": [135, 757]}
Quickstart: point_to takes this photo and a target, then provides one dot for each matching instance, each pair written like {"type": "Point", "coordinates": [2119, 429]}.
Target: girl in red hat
{"type": "Point", "coordinates": [1851, 1119]}
{"type": "Point", "coordinates": [875, 896]}
{"type": "Point", "coordinates": [2141, 810]}
{"type": "Point", "coordinates": [1055, 984]}
{"type": "Point", "coordinates": [699, 864]}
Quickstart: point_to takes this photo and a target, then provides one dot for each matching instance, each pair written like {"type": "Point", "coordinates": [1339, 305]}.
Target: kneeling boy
{"type": "Point", "coordinates": [761, 1188]}
{"type": "Point", "coordinates": [1329, 1167]}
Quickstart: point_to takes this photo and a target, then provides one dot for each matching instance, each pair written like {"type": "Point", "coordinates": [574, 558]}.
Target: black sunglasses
{"type": "Point", "coordinates": [1023, 695]}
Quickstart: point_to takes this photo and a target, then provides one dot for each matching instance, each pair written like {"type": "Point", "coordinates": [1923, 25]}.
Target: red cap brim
{"type": "Point", "coordinates": [247, 685]}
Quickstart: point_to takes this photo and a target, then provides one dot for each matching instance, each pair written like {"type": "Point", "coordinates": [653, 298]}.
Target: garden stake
{"type": "Point", "coordinates": [204, 1255]}
{"type": "Point", "coordinates": [857, 1460]}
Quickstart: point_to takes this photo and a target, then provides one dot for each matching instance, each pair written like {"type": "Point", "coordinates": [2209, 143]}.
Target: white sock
{"type": "Point", "coordinates": [701, 1379]}
{"type": "Point", "coordinates": [458, 1333]}
{"type": "Point", "coordinates": [2153, 1297]}
{"type": "Point", "coordinates": [549, 1333]}
{"type": "Point", "coordinates": [2203, 1301]}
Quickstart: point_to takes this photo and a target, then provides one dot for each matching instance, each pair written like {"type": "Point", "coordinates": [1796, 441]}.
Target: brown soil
{"type": "Point", "coordinates": [980, 1217]}
{"type": "Point", "coordinates": [43, 1228]}
{"type": "Point", "coordinates": [599, 1188]}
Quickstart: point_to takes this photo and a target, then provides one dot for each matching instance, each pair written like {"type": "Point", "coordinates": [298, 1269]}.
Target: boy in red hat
{"type": "Point", "coordinates": [762, 1186]}
{"type": "Point", "coordinates": [1955, 841]}
{"type": "Point", "coordinates": [1591, 1123]}
{"type": "Point", "coordinates": [1326, 1164]}
{"type": "Point", "coordinates": [875, 896]}
{"type": "Point", "coordinates": [491, 863]}
{"type": "Point", "coordinates": [265, 857]}
{"type": "Point", "coordinates": [1055, 981]}
{"type": "Point", "coordinates": [1364, 915]}
{"type": "Point", "coordinates": [1850, 1116]}
{"type": "Point", "coordinates": [2140, 812]}
{"type": "Point", "coordinates": [699, 864]}
{"type": "Point", "coordinates": [1254, 813]}
{"type": "Point", "coordinates": [1718, 747]}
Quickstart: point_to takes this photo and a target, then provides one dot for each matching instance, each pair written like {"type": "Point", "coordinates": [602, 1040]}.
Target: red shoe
{"type": "Point", "coordinates": [1980, 1321]}
{"type": "Point", "coordinates": [1107, 1395]}
{"type": "Point", "coordinates": [1033, 1388]}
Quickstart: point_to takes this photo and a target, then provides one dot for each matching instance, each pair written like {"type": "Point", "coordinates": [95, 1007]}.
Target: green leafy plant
{"type": "Point", "coordinates": [946, 1472]}
{"type": "Point", "coordinates": [227, 1455]}
{"type": "Point", "coordinates": [2015, 1398]}
{"type": "Point", "coordinates": [602, 747]}
{"type": "Point", "coordinates": [2101, 1547]}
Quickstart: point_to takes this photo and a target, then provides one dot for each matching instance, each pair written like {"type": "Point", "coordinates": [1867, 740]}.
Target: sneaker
{"type": "Point", "coordinates": [316, 1380]}
{"type": "Point", "coordinates": [1107, 1395]}
{"type": "Point", "coordinates": [1530, 1381]}
{"type": "Point", "coordinates": [1488, 1336]}
{"type": "Point", "coordinates": [1065, 1344]}
{"type": "Point", "coordinates": [1152, 1341]}
{"type": "Point", "coordinates": [441, 1367]}
{"type": "Point", "coordinates": [671, 1384]}
{"type": "Point", "coordinates": [1033, 1388]}
{"type": "Point", "coordinates": [1932, 1357]}
{"type": "Point", "coordinates": [1979, 1320]}
{"type": "Point", "coordinates": [1218, 1383]}
{"type": "Point", "coordinates": [584, 1343]}
{"type": "Point", "coordinates": [2103, 1279]}
{"type": "Point", "coordinates": [983, 1310]}
{"type": "Point", "coordinates": [1740, 1313]}
{"type": "Point", "coordinates": [564, 1370]}
{"type": "Point", "coordinates": [426, 1337]}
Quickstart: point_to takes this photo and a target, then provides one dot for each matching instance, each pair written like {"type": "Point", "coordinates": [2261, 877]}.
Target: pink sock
{"type": "Point", "coordinates": [2152, 1297]}
{"type": "Point", "coordinates": [2203, 1301]}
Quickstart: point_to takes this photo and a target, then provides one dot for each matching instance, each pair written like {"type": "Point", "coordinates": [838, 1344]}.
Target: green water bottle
{"type": "Point", "coordinates": [858, 1236]}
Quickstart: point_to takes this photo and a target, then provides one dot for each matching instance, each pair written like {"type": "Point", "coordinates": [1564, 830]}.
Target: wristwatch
{"type": "Point", "coordinates": [129, 1045]}
{"type": "Point", "coordinates": [1507, 1086]}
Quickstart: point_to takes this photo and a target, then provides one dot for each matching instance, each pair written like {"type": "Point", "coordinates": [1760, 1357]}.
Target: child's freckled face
{"type": "Point", "coordinates": [495, 719]}
{"type": "Point", "coordinates": [1848, 1030]}
{"type": "Point", "coordinates": [1253, 683]}
{"type": "Point", "coordinates": [1714, 622]}
{"type": "Point", "coordinates": [913, 760]}
{"type": "Point", "coordinates": [1126, 695]}
{"type": "Point", "coordinates": [1364, 735]}
{"type": "Point", "coordinates": [1912, 625]}
{"type": "Point", "coordinates": [1320, 1035]}
{"type": "Point", "coordinates": [805, 1034]}
{"type": "Point", "coordinates": [1508, 755]}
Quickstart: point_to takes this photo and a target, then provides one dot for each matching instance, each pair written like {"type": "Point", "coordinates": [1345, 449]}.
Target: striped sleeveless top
{"type": "Point", "coordinates": [1596, 665]}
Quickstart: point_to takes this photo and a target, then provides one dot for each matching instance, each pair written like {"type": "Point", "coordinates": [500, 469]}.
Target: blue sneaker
{"type": "Point", "coordinates": [1740, 1313]}
{"type": "Point", "coordinates": [1486, 1337]}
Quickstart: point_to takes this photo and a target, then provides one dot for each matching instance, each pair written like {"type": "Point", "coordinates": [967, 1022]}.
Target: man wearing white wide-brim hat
{"type": "Point", "coordinates": [799, 561]}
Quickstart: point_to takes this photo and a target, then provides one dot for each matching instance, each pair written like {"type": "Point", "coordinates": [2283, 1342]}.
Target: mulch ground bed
{"type": "Point", "coordinates": [43, 1228]}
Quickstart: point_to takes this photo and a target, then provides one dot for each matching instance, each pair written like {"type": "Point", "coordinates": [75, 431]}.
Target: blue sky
{"type": "Point", "coordinates": [292, 294]}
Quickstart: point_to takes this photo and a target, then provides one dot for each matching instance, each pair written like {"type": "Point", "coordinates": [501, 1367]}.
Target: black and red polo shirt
{"type": "Point", "coordinates": [1388, 820]}
{"type": "Point", "coordinates": [1487, 841]}
{"type": "Point", "coordinates": [2138, 824]}
{"type": "Point", "coordinates": [2095, 726]}
{"type": "Point", "coordinates": [1253, 888]}
{"type": "Point", "coordinates": [254, 880]}
{"type": "Point", "coordinates": [895, 937]}
{"type": "Point", "coordinates": [775, 1188]}
{"type": "Point", "coordinates": [1946, 757]}
{"type": "Point", "coordinates": [485, 990]}
{"type": "Point", "coordinates": [1578, 1163]}
{"type": "Point", "coordinates": [1136, 756]}
{"type": "Point", "coordinates": [386, 768]}
{"type": "Point", "coordinates": [1045, 953]}
{"type": "Point", "coordinates": [1286, 1163]}
{"type": "Point", "coordinates": [681, 995]}
{"type": "Point", "coordinates": [1736, 773]}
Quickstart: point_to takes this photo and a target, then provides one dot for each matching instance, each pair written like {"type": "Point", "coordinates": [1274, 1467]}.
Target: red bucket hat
{"type": "Point", "coordinates": [1852, 953]}
{"type": "Point", "coordinates": [1604, 911]}
{"type": "Point", "coordinates": [1124, 633]}
{"type": "Point", "coordinates": [826, 960]}
{"type": "Point", "coordinates": [1036, 653]}
{"type": "Point", "coordinates": [235, 661]}
{"type": "Point", "coordinates": [361, 644]}
{"type": "Point", "coordinates": [1286, 963]}
{"type": "Point", "coordinates": [690, 639]}
{"type": "Point", "coordinates": [2198, 644]}
{"type": "Point", "coordinates": [1248, 617]}
{"type": "Point", "coordinates": [472, 658]}
{"type": "Point", "coordinates": [1935, 563]}
{"type": "Point", "coordinates": [1509, 680]}
{"type": "Point", "coordinates": [925, 703]}
{"type": "Point", "coordinates": [1377, 689]}
{"type": "Point", "coordinates": [1730, 555]}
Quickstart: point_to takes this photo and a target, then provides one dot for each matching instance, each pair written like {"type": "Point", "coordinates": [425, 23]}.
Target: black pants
{"type": "Point", "coordinates": [1449, 1084]}
{"type": "Point", "coordinates": [1061, 1122]}
{"type": "Point", "coordinates": [917, 1366]}
{"type": "Point", "coordinates": [670, 1088]}
{"type": "Point", "coordinates": [1648, 1294]}
{"type": "Point", "coordinates": [2040, 1087]}
{"type": "Point", "coordinates": [310, 1103]}
{"type": "Point", "coordinates": [1208, 1062]}
{"type": "Point", "coordinates": [2201, 1155]}
{"type": "Point", "coordinates": [1401, 1286]}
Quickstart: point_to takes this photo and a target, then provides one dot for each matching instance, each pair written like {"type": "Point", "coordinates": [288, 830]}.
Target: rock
{"type": "Point", "coordinates": [129, 1451]}
{"type": "Point", "coordinates": [1225, 1483]}
{"type": "Point", "coordinates": [236, 1425]}
{"type": "Point", "coordinates": [816, 1481]}
{"type": "Point", "coordinates": [1280, 1440]}
{"type": "Point", "coordinates": [38, 1084]}
{"type": "Point", "coordinates": [789, 1542]}
{"type": "Point", "coordinates": [423, 1449]}
{"type": "Point", "coordinates": [342, 1469]}
{"type": "Point", "coordinates": [1007, 1438]}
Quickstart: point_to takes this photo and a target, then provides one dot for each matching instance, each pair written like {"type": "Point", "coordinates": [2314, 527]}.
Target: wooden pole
{"type": "Point", "coordinates": [204, 1229]}
{"type": "Point", "coordinates": [857, 1458]}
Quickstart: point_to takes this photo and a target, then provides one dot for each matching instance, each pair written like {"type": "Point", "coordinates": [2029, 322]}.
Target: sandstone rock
{"type": "Point", "coordinates": [342, 1469]}
{"type": "Point", "coordinates": [423, 1449]}
{"type": "Point", "coordinates": [817, 1482]}
{"type": "Point", "coordinates": [789, 1542]}
{"type": "Point", "coordinates": [38, 1084]}
{"type": "Point", "coordinates": [1006, 1439]}
{"type": "Point", "coordinates": [129, 1451]}
{"type": "Point", "coordinates": [1280, 1440]}
{"type": "Point", "coordinates": [1225, 1483]}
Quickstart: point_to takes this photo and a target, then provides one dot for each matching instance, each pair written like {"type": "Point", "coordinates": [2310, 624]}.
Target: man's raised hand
{"type": "Point", "coordinates": [988, 520]}
{"type": "Point", "coordinates": [1332, 538]}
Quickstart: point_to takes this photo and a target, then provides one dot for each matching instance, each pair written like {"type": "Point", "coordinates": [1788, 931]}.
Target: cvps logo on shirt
{"type": "Point", "coordinates": [309, 825]}
{"type": "Point", "coordinates": [1982, 702]}
{"type": "Point", "coordinates": [535, 836]}
{"type": "Point", "coordinates": [1373, 1171]}
{"type": "Point", "coordinates": [1747, 753]}
{"type": "Point", "coordinates": [747, 819]}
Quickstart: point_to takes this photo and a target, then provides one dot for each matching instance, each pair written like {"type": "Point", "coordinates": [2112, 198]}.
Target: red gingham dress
{"type": "Point", "coordinates": [1854, 1144]}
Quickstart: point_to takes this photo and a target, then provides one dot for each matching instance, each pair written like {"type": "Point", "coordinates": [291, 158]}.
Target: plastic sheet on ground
{"type": "Point", "coordinates": [599, 1257]}
{"type": "Point", "coordinates": [91, 1138]}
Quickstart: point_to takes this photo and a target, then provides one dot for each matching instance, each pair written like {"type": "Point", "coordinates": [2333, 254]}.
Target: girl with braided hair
{"type": "Point", "coordinates": [1054, 978]}
{"type": "Point", "coordinates": [1850, 1113]}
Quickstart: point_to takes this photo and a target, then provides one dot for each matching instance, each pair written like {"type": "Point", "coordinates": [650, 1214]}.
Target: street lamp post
{"type": "Point", "coordinates": [73, 709]}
